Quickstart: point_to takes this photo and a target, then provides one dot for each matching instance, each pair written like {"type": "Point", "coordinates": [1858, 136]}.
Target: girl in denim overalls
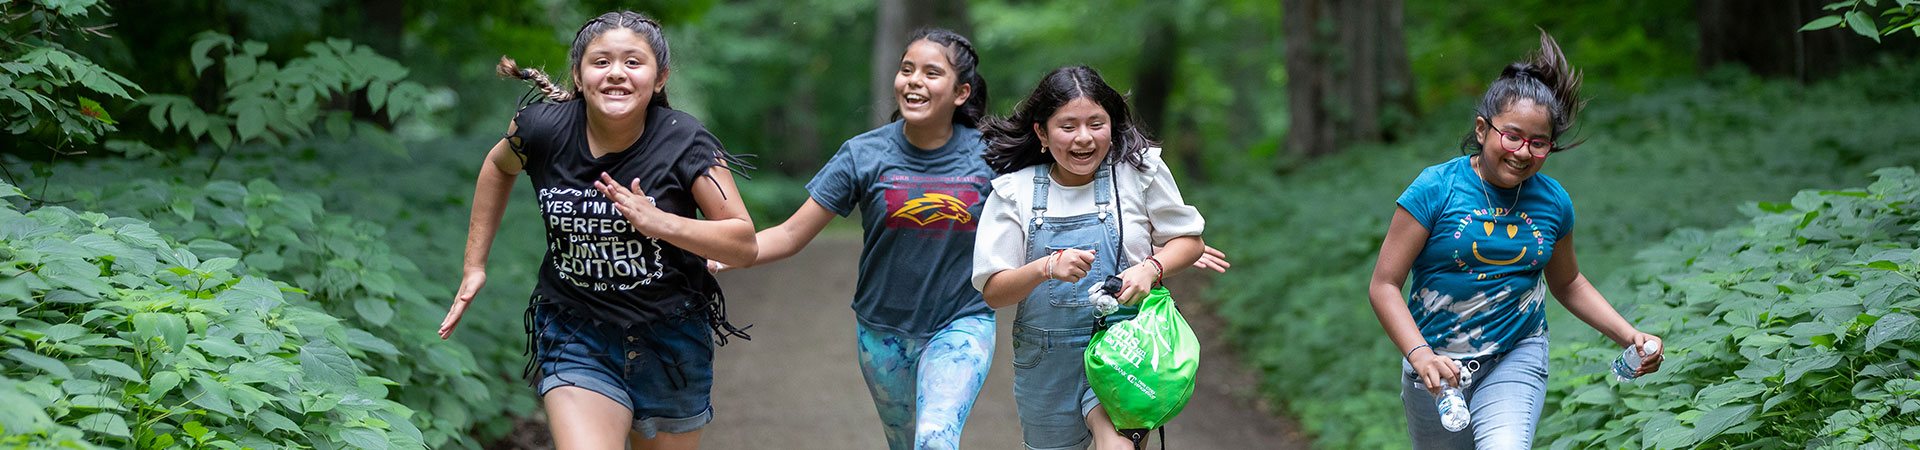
{"type": "Point", "coordinates": [1082, 195]}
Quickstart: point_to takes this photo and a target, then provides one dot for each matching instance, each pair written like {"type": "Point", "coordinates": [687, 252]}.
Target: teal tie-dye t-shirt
{"type": "Point", "coordinates": [1477, 287]}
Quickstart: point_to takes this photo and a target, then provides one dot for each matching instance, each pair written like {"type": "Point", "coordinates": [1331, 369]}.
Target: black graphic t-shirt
{"type": "Point", "coordinates": [596, 263]}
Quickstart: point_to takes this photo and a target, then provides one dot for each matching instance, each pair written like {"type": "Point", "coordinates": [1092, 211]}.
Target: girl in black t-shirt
{"type": "Point", "coordinates": [624, 314]}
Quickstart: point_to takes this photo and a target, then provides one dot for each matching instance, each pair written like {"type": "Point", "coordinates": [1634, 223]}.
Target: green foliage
{"type": "Point", "coordinates": [1858, 15]}
{"type": "Point", "coordinates": [1797, 329]}
{"type": "Point", "coordinates": [118, 335]}
{"type": "Point", "coordinates": [265, 102]}
{"type": "Point", "coordinates": [53, 94]}
{"type": "Point", "coordinates": [1652, 164]}
{"type": "Point", "coordinates": [343, 267]}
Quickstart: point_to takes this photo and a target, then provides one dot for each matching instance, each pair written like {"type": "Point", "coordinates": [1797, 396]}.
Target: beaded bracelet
{"type": "Point", "coordinates": [1415, 349]}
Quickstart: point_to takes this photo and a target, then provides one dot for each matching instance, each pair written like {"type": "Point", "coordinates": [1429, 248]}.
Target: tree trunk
{"type": "Point", "coordinates": [1155, 72]}
{"type": "Point", "coordinates": [1765, 37]}
{"type": "Point", "coordinates": [897, 20]}
{"type": "Point", "coordinates": [1347, 75]}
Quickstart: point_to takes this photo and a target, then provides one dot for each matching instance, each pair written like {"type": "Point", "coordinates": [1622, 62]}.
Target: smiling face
{"type": "Point", "coordinates": [1524, 121]}
{"type": "Point", "coordinates": [618, 74]}
{"type": "Point", "coordinates": [1078, 135]}
{"type": "Point", "coordinates": [927, 89]}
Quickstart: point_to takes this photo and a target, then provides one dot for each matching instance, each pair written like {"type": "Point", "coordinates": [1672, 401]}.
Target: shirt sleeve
{"type": "Point", "coordinates": [534, 127]}
{"type": "Point", "coordinates": [1001, 241]}
{"type": "Point", "coordinates": [1423, 199]}
{"type": "Point", "coordinates": [1169, 215]}
{"type": "Point", "coordinates": [837, 187]}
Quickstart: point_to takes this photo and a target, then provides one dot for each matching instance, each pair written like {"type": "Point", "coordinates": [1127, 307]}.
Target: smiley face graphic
{"type": "Point", "coordinates": [1499, 228]}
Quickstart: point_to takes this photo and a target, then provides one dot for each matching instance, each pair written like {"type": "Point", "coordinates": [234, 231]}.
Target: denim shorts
{"type": "Point", "coordinates": [662, 371]}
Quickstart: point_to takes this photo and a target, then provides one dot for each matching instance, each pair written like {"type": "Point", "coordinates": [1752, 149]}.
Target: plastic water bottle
{"type": "Point", "coordinates": [1453, 410]}
{"type": "Point", "coordinates": [1629, 361]}
{"type": "Point", "coordinates": [1453, 406]}
{"type": "Point", "coordinates": [1104, 303]}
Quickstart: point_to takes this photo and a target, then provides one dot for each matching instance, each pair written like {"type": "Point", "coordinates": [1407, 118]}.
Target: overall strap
{"type": "Point", "coordinates": [1040, 186]}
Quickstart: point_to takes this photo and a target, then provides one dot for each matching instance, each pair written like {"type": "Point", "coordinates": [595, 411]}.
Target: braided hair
{"type": "Point", "coordinates": [966, 64]}
{"type": "Point", "coordinates": [1544, 77]}
{"type": "Point", "coordinates": [646, 27]}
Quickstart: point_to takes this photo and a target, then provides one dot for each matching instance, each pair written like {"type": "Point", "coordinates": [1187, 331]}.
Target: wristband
{"type": "Point", "coordinates": [1053, 258]}
{"type": "Point", "coordinates": [1158, 271]}
{"type": "Point", "coordinates": [1415, 349]}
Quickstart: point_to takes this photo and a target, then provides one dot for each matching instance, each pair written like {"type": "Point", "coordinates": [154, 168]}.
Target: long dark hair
{"type": "Point", "coordinates": [966, 64]}
{"type": "Point", "coordinates": [1544, 77]}
{"type": "Point", "coordinates": [1012, 144]}
{"type": "Point", "coordinates": [639, 23]}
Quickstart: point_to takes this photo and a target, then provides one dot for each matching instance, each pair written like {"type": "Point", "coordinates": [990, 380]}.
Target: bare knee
{"type": "Point", "coordinates": [666, 441]}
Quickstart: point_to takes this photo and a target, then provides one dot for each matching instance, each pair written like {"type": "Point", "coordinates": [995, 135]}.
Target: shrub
{"type": "Point", "coordinates": [1797, 329]}
{"type": "Point", "coordinates": [123, 337]}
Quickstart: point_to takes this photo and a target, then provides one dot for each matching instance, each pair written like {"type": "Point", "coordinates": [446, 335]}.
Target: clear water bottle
{"type": "Point", "coordinates": [1453, 410]}
{"type": "Point", "coordinates": [1629, 361]}
{"type": "Point", "coordinates": [1104, 303]}
{"type": "Point", "coordinates": [1453, 406]}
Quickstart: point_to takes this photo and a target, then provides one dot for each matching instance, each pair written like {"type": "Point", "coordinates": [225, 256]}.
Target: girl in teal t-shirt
{"type": "Point", "coordinates": [1486, 237]}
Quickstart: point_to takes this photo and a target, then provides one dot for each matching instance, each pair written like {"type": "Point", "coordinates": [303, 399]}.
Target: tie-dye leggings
{"type": "Point", "coordinates": [923, 388]}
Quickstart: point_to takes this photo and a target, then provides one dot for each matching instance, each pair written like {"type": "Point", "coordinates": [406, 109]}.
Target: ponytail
{"type": "Point", "coordinates": [541, 83]}
{"type": "Point", "coordinates": [1546, 78]}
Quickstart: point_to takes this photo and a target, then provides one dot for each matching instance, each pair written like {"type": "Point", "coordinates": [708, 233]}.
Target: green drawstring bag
{"type": "Point", "coordinates": [1143, 369]}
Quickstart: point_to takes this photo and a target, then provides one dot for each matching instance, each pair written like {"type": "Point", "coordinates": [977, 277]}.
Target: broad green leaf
{"type": "Point", "coordinates": [115, 368]}
{"type": "Point", "coordinates": [1721, 394]}
{"type": "Point", "coordinates": [64, 332]}
{"type": "Point", "coordinates": [222, 347]}
{"type": "Point", "coordinates": [93, 401]}
{"type": "Point", "coordinates": [1862, 24]}
{"type": "Point", "coordinates": [326, 363]}
{"type": "Point", "coordinates": [203, 44]}
{"type": "Point", "coordinates": [210, 394]}
{"type": "Point", "coordinates": [163, 382]}
{"type": "Point", "coordinates": [269, 421]}
{"type": "Point", "coordinates": [170, 328]}
{"type": "Point", "coordinates": [375, 310]}
{"type": "Point", "coordinates": [361, 438]}
{"type": "Point", "coordinates": [250, 122]}
{"type": "Point", "coordinates": [1835, 298]}
{"type": "Point", "coordinates": [51, 366]}
{"type": "Point", "coordinates": [1720, 419]}
{"type": "Point", "coordinates": [1896, 326]}
{"type": "Point", "coordinates": [1820, 24]}
{"type": "Point", "coordinates": [377, 94]}
{"type": "Point", "coordinates": [369, 342]}
{"type": "Point", "coordinates": [106, 423]}
{"type": "Point", "coordinates": [1801, 366]}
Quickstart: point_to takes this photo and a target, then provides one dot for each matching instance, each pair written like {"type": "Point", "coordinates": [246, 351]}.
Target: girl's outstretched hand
{"type": "Point", "coordinates": [1212, 259]}
{"type": "Point", "coordinates": [469, 285]}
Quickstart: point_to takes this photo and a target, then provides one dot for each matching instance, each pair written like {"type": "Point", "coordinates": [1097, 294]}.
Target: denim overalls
{"type": "Point", "coordinates": [1055, 322]}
